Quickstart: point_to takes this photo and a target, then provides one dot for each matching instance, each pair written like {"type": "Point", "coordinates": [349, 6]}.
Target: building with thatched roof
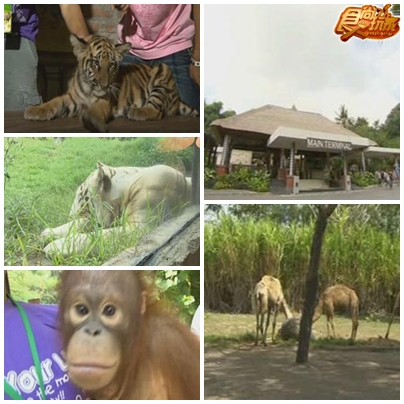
{"type": "Point", "coordinates": [298, 147]}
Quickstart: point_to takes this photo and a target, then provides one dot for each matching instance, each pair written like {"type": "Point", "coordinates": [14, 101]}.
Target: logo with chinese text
{"type": "Point", "coordinates": [367, 22]}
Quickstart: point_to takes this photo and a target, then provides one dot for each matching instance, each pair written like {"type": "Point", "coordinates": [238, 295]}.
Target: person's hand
{"type": "Point", "coordinates": [120, 7]}
{"type": "Point", "coordinates": [195, 73]}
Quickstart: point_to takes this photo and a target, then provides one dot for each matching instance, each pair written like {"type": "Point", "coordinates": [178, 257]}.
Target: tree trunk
{"type": "Point", "coordinates": [324, 212]}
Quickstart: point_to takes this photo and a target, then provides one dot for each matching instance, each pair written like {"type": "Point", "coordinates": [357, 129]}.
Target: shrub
{"type": "Point", "coordinates": [244, 178]}
{"type": "Point", "coordinates": [223, 182]}
{"type": "Point", "coordinates": [210, 177]}
{"type": "Point", "coordinates": [364, 179]}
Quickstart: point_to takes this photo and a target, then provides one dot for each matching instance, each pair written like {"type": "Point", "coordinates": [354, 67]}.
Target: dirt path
{"type": "Point", "coordinates": [270, 374]}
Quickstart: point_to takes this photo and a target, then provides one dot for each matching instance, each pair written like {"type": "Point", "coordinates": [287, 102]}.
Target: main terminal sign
{"type": "Point", "coordinates": [328, 144]}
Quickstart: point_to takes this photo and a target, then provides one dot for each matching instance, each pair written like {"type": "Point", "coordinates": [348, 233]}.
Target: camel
{"type": "Point", "coordinates": [338, 297]}
{"type": "Point", "coordinates": [268, 295]}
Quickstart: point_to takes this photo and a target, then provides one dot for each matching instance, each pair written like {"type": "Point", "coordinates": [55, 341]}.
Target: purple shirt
{"type": "Point", "coordinates": [19, 368]}
{"type": "Point", "coordinates": [25, 21]}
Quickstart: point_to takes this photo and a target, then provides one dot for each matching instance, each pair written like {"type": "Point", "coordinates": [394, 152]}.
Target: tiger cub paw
{"type": "Point", "coordinates": [186, 110]}
{"type": "Point", "coordinates": [144, 114]}
{"type": "Point", "coordinates": [93, 123]}
{"type": "Point", "coordinates": [38, 113]}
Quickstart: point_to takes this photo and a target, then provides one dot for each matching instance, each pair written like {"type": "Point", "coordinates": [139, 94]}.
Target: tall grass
{"type": "Point", "coordinates": [239, 252]}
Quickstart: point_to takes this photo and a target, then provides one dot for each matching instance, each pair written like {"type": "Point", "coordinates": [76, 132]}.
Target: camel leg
{"type": "Point", "coordinates": [274, 324]}
{"type": "Point", "coordinates": [330, 324]}
{"type": "Point", "coordinates": [257, 315]}
{"type": "Point", "coordinates": [264, 335]}
{"type": "Point", "coordinates": [333, 327]}
{"type": "Point", "coordinates": [328, 327]}
{"type": "Point", "coordinates": [355, 324]}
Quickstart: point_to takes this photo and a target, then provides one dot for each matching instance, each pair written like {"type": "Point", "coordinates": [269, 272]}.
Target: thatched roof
{"type": "Point", "coordinates": [267, 119]}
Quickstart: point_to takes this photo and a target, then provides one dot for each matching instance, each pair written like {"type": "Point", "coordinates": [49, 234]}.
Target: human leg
{"type": "Point", "coordinates": [179, 63]}
{"type": "Point", "coordinates": [20, 75]}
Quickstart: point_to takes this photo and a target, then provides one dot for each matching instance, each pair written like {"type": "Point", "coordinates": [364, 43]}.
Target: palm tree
{"type": "Point", "coordinates": [343, 117]}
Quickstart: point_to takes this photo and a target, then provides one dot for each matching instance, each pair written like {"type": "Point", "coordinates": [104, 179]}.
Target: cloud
{"type": "Point", "coordinates": [289, 54]}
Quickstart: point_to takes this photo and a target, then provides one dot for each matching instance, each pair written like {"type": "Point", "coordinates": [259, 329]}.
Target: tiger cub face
{"type": "Point", "coordinates": [98, 61]}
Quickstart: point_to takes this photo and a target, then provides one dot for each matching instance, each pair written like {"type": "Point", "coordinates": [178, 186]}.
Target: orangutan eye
{"type": "Point", "coordinates": [109, 311]}
{"type": "Point", "coordinates": [81, 309]}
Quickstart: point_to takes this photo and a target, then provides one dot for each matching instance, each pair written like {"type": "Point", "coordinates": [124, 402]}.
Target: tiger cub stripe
{"type": "Point", "coordinates": [101, 89]}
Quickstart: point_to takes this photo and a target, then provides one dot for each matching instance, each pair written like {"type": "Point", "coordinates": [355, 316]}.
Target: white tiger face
{"type": "Point", "coordinates": [82, 200]}
{"type": "Point", "coordinates": [91, 196]}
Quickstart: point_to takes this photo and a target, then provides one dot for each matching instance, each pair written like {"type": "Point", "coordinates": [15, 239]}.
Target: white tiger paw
{"type": "Point", "coordinates": [47, 233]}
{"type": "Point", "coordinates": [38, 113]}
{"type": "Point", "coordinates": [77, 244]}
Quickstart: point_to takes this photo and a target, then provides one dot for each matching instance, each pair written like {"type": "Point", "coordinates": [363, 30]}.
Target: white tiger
{"type": "Point", "coordinates": [108, 193]}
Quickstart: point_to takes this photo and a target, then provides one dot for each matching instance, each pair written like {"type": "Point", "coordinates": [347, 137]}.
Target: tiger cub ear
{"type": "Point", "coordinates": [122, 49]}
{"type": "Point", "coordinates": [79, 45]}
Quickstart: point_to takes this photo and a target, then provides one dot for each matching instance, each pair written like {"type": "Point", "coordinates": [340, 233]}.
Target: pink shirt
{"type": "Point", "coordinates": [157, 30]}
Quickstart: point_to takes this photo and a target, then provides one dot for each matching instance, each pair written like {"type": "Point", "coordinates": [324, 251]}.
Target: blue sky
{"type": "Point", "coordinates": [289, 54]}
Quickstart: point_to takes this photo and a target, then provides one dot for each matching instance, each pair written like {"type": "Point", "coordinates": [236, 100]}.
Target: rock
{"type": "Point", "coordinates": [290, 329]}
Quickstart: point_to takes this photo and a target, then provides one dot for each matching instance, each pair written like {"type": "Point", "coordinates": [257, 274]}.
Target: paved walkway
{"type": "Point", "coordinates": [271, 374]}
{"type": "Point", "coordinates": [373, 194]}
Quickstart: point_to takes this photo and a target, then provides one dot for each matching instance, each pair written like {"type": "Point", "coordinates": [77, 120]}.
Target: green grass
{"type": "Point", "coordinates": [44, 177]}
{"type": "Point", "coordinates": [227, 330]}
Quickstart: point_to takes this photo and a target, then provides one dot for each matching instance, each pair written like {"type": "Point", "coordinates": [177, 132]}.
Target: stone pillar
{"type": "Point", "coordinates": [292, 181]}
{"type": "Point", "coordinates": [282, 171]}
{"type": "Point", "coordinates": [345, 164]}
{"type": "Point", "coordinates": [363, 161]}
{"type": "Point", "coordinates": [223, 167]}
{"type": "Point", "coordinates": [292, 159]}
{"type": "Point", "coordinates": [346, 179]}
{"type": "Point", "coordinates": [282, 159]}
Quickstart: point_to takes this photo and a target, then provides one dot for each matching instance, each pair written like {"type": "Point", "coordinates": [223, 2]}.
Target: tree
{"type": "Point", "coordinates": [392, 124]}
{"type": "Point", "coordinates": [385, 135]}
{"type": "Point", "coordinates": [215, 111]}
{"type": "Point", "coordinates": [385, 218]}
{"type": "Point", "coordinates": [214, 208]}
{"type": "Point", "coordinates": [323, 214]}
{"type": "Point", "coordinates": [343, 118]}
{"type": "Point", "coordinates": [283, 214]}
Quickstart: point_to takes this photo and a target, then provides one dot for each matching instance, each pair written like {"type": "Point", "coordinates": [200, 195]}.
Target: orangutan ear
{"type": "Point", "coordinates": [143, 303]}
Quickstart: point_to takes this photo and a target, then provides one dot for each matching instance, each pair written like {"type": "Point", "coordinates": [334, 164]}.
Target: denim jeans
{"type": "Point", "coordinates": [20, 74]}
{"type": "Point", "coordinates": [179, 65]}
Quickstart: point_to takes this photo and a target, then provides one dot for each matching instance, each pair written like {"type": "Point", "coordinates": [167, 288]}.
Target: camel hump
{"type": "Point", "coordinates": [341, 296]}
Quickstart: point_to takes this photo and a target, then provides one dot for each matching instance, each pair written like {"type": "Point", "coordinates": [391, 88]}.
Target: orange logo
{"type": "Point", "coordinates": [367, 22]}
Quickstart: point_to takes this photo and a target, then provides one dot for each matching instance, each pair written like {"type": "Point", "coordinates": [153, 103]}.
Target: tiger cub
{"type": "Point", "coordinates": [100, 90]}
